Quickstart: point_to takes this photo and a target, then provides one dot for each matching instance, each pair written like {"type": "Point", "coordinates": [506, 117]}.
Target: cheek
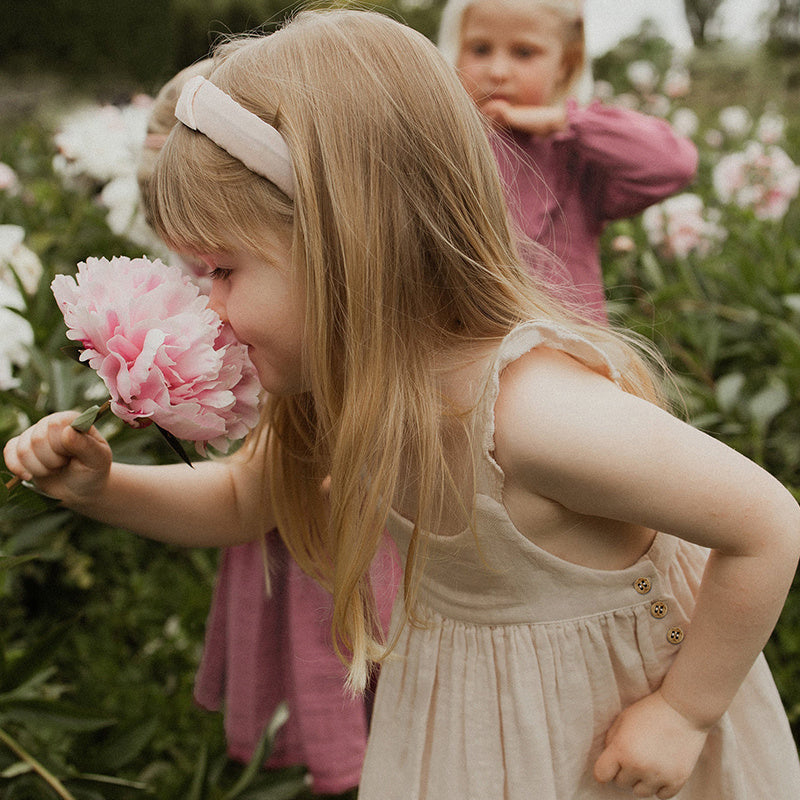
{"type": "Point", "coordinates": [471, 81]}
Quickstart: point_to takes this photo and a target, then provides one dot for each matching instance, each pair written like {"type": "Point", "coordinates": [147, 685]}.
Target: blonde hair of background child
{"type": "Point", "coordinates": [161, 121]}
{"type": "Point", "coordinates": [401, 234]}
{"type": "Point", "coordinates": [570, 16]}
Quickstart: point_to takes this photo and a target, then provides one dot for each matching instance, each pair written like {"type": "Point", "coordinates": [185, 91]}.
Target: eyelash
{"type": "Point", "coordinates": [219, 274]}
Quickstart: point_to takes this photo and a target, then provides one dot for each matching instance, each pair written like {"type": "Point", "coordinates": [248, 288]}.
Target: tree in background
{"type": "Point", "coordinates": [146, 42]}
{"type": "Point", "coordinates": [700, 16]}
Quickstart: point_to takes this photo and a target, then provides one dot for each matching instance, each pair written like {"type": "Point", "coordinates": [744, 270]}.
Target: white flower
{"type": "Point", "coordinates": [603, 90]}
{"type": "Point", "coordinates": [762, 178]}
{"type": "Point", "coordinates": [677, 82]}
{"type": "Point", "coordinates": [9, 182]}
{"type": "Point", "coordinates": [627, 100]}
{"type": "Point", "coordinates": [642, 75]}
{"type": "Point", "coordinates": [682, 225]}
{"type": "Point", "coordinates": [17, 338]}
{"type": "Point", "coordinates": [770, 128]}
{"type": "Point", "coordinates": [685, 122]}
{"type": "Point", "coordinates": [16, 258]}
{"type": "Point", "coordinates": [623, 244]}
{"type": "Point", "coordinates": [102, 142]}
{"type": "Point", "coordinates": [735, 121]}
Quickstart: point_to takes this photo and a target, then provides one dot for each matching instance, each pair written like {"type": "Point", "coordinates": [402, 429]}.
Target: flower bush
{"type": "Point", "coordinates": [761, 177]}
{"type": "Point", "coordinates": [99, 148]}
{"type": "Point", "coordinates": [682, 225]}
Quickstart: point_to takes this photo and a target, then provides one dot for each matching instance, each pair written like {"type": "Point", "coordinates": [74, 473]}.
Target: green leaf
{"type": "Point", "coordinates": [175, 444]}
{"type": "Point", "coordinates": [122, 748]}
{"type": "Point", "coordinates": [9, 562]}
{"type": "Point", "coordinates": [199, 778]}
{"type": "Point", "coordinates": [261, 752]}
{"type": "Point", "coordinates": [38, 656]}
{"type": "Point", "coordinates": [55, 715]}
{"type": "Point", "coordinates": [728, 390]}
{"type": "Point", "coordinates": [769, 402]}
{"type": "Point", "coordinates": [85, 421]}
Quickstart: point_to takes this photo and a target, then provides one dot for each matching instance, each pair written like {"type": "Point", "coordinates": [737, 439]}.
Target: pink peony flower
{"type": "Point", "coordinates": [164, 356]}
{"type": "Point", "coordinates": [762, 178]}
{"type": "Point", "coordinates": [682, 225]}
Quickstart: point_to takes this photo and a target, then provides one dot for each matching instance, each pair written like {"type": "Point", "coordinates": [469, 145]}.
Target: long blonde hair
{"type": "Point", "coordinates": [401, 232]}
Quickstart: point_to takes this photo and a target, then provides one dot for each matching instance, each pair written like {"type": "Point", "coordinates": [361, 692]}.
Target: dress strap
{"type": "Point", "coordinates": [521, 340]}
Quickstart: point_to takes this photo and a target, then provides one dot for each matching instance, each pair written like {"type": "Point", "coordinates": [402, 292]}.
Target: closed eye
{"type": "Point", "coordinates": [220, 274]}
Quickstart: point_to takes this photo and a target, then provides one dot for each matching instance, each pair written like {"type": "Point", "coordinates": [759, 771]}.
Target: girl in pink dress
{"type": "Point", "coordinates": [568, 169]}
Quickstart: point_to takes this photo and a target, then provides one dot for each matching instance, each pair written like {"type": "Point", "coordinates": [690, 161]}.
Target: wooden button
{"type": "Point", "coordinates": [675, 635]}
{"type": "Point", "coordinates": [643, 585]}
{"type": "Point", "coordinates": [659, 609]}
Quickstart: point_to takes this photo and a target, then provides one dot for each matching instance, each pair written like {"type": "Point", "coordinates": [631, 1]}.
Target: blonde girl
{"type": "Point", "coordinates": [568, 168]}
{"type": "Point", "coordinates": [588, 581]}
{"type": "Point", "coordinates": [267, 636]}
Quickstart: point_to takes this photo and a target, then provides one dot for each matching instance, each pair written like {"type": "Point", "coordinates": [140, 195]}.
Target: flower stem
{"type": "Point", "coordinates": [44, 773]}
{"type": "Point", "coordinates": [81, 423]}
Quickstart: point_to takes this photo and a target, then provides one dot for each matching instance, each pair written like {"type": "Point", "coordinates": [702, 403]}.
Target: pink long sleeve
{"type": "Point", "coordinates": [628, 160]}
{"type": "Point", "coordinates": [562, 190]}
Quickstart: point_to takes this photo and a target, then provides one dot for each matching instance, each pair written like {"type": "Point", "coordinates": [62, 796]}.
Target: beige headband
{"type": "Point", "coordinates": [204, 107]}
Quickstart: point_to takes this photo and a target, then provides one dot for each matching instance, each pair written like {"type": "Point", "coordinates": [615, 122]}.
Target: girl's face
{"type": "Point", "coordinates": [511, 52]}
{"type": "Point", "coordinates": [262, 298]}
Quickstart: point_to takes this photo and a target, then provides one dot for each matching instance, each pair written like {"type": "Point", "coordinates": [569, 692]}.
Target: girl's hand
{"type": "Point", "coordinates": [535, 120]}
{"type": "Point", "coordinates": [650, 749]}
{"type": "Point", "coordinates": [61, 462]}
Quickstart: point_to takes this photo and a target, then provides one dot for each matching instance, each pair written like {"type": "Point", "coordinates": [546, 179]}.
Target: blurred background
{"type": "Point", "coordinates": [100, 632]}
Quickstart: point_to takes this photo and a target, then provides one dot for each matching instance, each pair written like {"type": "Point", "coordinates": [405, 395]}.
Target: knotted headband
{"type": "Point", "coordinates": [204, 107]}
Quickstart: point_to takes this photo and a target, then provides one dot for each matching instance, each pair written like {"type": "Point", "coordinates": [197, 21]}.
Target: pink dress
{"type": "Point", "coordinates": [609, 164]}
{"type": "Point", "coordinates": [526, 659]}
{"type": "Point", "coordinates": [261, 651]}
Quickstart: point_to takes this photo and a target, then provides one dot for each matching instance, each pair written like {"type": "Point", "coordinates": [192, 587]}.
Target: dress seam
{"type": "Point", "coordinates": [644, 605]}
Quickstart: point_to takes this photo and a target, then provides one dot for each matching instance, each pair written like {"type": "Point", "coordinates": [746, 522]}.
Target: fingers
{"type": "Point", "coordinates": [49, 445]}
{"type": "Point", "coordinates": [607, 771]}
{"type": "Point", "coordinates": [606, 767]}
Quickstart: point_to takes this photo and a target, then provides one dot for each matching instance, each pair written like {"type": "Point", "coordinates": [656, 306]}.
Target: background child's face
{"type": "Point", "coordinates": [512, 52]}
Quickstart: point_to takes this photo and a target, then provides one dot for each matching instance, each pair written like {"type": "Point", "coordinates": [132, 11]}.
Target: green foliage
{"type": "Point", "coordinates": [728, 323]}
{"type": "Point", "coordinates": [147, 41]}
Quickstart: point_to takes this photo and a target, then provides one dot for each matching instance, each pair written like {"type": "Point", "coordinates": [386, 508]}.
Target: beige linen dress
{"type": "Point", "coordinates": [508, 691]}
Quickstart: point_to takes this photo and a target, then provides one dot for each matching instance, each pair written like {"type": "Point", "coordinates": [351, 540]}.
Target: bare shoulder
{"type": "Point", "coordinates": [545, 388]}
{"type": "Point", "coordinates": [560, 424]}
{"type": "Point", "coordinates": [568, 434]}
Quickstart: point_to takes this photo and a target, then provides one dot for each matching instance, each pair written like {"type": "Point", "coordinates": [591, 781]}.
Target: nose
{"type": "Point", "coordinates": [498, 67]}
{"type": "Point", "coordinates": [216, 301]}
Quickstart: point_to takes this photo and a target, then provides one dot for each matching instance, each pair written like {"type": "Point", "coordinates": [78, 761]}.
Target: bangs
{"type": "Point", "coordinates": [202, 200]}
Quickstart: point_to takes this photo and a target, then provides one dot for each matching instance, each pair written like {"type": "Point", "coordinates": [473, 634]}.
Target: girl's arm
{"type": "Point", "coordinates": [570, 435]}
{"type": "Point", "coordinates": [217, 503]}
{"type": "Point", "coordinates": [628, 161]}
